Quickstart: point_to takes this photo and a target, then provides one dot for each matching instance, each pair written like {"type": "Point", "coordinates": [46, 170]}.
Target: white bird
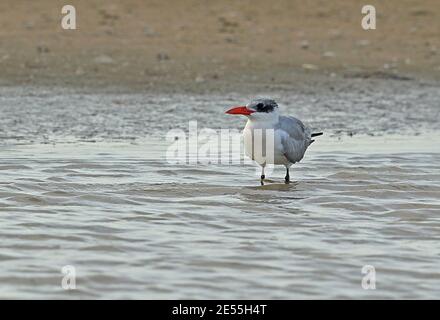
{"type": "Point", "coordinates": [291, 137]}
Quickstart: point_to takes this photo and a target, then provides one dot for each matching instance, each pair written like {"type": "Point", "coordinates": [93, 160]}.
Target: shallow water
{"type": "Point", "coordinates": [87, 184]}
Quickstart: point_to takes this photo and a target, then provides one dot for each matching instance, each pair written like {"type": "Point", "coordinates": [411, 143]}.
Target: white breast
{"type": "Point", "coordinates": [263, 143]}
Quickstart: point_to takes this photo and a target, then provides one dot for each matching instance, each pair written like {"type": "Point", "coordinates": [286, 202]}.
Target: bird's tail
{"type": "Point", "coordinates": [315, 134]}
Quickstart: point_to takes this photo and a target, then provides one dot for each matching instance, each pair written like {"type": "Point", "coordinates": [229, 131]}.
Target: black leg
{"type": "Point", "coordinates": [287, 178]}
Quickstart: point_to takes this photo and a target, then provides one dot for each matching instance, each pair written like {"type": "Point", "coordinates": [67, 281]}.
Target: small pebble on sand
{"type": "Point", "coordinates": [309, 66]}
{"type": "Point", "coordinates": [304, 44]}
{"type": "Point", "coordinates": [328, 54]}
{"type": "Point", "coordinates": [103, 59]}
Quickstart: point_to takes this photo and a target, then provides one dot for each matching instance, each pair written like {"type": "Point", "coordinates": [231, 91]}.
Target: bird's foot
{"type": "Point", "coordinates": [287, 178]}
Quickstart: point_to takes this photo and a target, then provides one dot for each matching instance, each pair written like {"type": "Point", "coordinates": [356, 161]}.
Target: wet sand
{"type": "Point", "coordinates": [345, 107]}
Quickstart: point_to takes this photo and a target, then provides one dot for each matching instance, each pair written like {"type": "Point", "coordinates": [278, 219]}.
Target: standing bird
{"type": "Point", "coordinates": [291, 137]}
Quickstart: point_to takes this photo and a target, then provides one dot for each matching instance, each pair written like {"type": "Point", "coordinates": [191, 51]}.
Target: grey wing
{"type": "Point", "coordinates": [296, 139]}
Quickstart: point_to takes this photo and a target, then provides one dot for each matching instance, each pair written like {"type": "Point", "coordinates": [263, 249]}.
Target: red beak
{"type": "Point", "coordinates": [240, 110]}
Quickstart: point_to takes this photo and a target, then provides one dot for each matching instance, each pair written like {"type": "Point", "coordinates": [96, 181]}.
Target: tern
{"type": "Point", "coordinates": [291, 137]}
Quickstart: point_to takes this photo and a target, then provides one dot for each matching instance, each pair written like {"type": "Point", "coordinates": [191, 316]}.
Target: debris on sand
{"type": "Point", "coordinates": [378, 75]}
{"type": "Point", "coordinates": [328, 54]}
{"type": "Point", "coordinates": [103, 59]}
{"type": "Point", "coordinates": [42, 49]}
{"type": "Point", "coordinates": [309, 66]}
{"type": "Point", "coordinates": [200, 79]}
{"type": "Point", "coordinates": [149, 32]}
{"type": "Point", "coordinates": [304, 44]}
{"type": "Point", "coordinates": [363, 43]}
{"type": "Point", "coordinates": [162, 56]}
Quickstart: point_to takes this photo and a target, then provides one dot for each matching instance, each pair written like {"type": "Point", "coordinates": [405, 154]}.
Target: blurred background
{"type": "Point", "coordinates": [200, 44]}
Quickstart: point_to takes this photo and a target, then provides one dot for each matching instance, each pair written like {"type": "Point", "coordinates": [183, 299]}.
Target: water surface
{"type": "Point", "coordinates": [84, 182]}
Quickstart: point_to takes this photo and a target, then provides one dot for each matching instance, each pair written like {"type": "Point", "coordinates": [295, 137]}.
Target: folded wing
{"type": "Point", "coordinates": [295, 138]}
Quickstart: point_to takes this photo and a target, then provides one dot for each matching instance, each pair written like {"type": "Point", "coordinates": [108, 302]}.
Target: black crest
{"type": "Point", "coordinates": [263, 105]}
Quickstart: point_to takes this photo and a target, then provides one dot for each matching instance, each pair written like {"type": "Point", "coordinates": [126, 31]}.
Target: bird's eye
{"type": "Point", "coordinates": [260, 106]}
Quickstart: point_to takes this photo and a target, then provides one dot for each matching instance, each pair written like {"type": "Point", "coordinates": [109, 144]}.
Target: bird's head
{"type": "Point", "coordinates": [257, 109]}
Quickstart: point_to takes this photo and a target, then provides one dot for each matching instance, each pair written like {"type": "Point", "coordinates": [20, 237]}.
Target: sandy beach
{"type": "Point", "coordinates": [200, 45]}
